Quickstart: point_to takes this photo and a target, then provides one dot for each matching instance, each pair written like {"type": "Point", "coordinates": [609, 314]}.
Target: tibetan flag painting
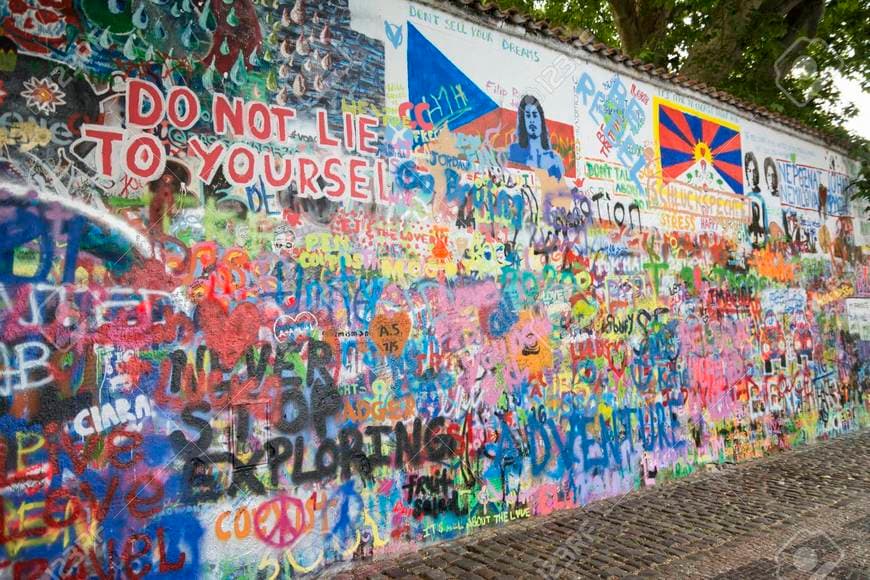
{"type": "Point", "coordinates": [696, 149]}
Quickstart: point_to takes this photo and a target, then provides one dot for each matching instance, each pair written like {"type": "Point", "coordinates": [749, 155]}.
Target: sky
{"type": "Point", "coordinates": [851, 93]}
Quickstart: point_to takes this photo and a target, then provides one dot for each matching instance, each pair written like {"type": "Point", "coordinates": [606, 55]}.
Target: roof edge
{"type": "Point", "coordinates": [586, 41]}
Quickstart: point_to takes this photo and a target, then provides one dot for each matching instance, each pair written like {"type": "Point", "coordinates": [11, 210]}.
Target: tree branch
{"type": "Point", "coordinates": [712, 59]}
{"type": "Point", "coordinates": [641, 24]}
{"type": "Point", "coordinates": [626, 19]}
{"type": "Point", "coordinates": [802, 20]}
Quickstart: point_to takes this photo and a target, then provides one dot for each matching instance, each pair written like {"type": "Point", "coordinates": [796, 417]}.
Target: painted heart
{"type": "Point", "coordinates": [289, 327]}
{"type": "Point", "coordinates": [390, 332]}
{"type": "Point", "coordinates": [229, 334]}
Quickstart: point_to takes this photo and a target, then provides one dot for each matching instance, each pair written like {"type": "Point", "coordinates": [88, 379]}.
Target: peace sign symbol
{"type": "Point", "coordinates": [280, 531]}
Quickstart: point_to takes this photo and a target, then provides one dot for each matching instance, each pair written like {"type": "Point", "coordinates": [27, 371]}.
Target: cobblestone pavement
{"type": "Point", "coordinates": [803, 513]}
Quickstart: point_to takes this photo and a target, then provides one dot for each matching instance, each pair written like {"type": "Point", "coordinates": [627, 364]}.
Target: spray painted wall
{"type": "Point", "coordinates": [288, 284]}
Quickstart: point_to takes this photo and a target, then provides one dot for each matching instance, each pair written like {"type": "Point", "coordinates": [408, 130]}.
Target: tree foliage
{"type": "Point", "coordinates": [748, 48]}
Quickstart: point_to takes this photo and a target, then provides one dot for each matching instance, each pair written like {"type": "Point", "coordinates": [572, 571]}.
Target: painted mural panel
{"type": "Point", "coordinates": [614, 143]}
{"type": "Point", "coordinates": [801, 192]}
{"type": "Point", "coordinates": [288, 285]}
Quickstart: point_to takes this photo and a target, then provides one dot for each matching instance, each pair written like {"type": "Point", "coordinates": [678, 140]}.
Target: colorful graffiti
{"type": "Point", "coordinates": [285, 285]}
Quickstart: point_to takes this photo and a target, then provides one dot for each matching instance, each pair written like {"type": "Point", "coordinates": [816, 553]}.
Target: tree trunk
{"type": "Point", "coordinates": [712, 59]}
{"type": "Point", "coordinates": [640, 23]}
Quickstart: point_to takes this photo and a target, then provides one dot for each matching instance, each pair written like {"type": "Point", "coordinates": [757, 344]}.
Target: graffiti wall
{"type": "Point", "coordinates": [286, 285]}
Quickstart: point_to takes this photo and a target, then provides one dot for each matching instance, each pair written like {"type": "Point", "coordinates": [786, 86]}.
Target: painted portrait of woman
{"type": "Point", "coordinates": [771, 176]}
{"type": "Point", "coordinates": [532, 145]}
{"type": "Point", "coordinates": [174, 181]}
{"type": "Point", "coordinates": [750, 166]}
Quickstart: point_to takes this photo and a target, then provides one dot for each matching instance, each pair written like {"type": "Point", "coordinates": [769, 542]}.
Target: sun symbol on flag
{"type": "Point", "coordinates": [703, 153]}
{"type": "Point", "coordinates": [44, 94]}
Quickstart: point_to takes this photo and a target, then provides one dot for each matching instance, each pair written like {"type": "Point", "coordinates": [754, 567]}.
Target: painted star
{"type": "Point", "coordinates": [44, 94]}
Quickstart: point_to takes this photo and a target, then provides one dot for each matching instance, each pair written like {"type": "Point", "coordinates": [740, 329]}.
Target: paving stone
{"type": "Point", "coordinates": [743, 521]}
{"type": "Point", "coordinates": [436, 574]}
{"type": "Point", "coordinates": [488, 574]}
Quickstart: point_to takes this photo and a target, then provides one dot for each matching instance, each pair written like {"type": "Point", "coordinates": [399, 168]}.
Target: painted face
{"type": "Point", "coordinates": [167, 185]}
{"type": "Point", "coordinates": [242, 234]}
{"type": "Point", "coordinates": [283, 241]}
{"type": "Point", "coordinates": [751, 173]}
{"type": "Point", "coordinates": [770, 176]}
{"type": "Point", "coordinates": [533, 121]}
{"type": "Point", "coordinates": [500, 255]}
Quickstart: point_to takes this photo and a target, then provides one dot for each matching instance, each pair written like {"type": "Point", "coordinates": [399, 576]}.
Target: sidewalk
{"type": "Point", "coordinates": [798, 514]}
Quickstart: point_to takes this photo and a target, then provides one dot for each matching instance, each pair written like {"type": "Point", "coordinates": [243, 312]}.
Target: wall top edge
{"type": "Point", "coordinates": [584, 46]}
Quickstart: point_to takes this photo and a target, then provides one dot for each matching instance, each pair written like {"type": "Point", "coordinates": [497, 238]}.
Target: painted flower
{"type": "Point", "coordinates": [3, 93]}
{"type": "Point", "coordinates": [44, 94]}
